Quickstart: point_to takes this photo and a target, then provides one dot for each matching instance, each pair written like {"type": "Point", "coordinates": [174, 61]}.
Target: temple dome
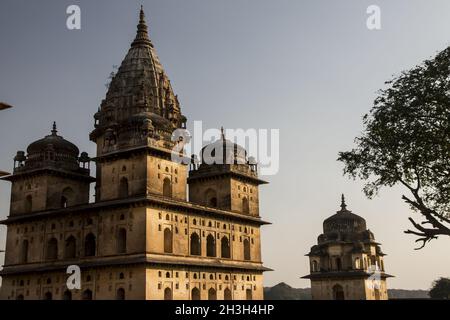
{"type": "Point", "coordinates": [52, 150]}
{"type": "Point", "coordinates": [55, 142]}
{"type": "Point", "coordinates": [344, 221]}
{"type": "Point", "coordinates": [231, 153]}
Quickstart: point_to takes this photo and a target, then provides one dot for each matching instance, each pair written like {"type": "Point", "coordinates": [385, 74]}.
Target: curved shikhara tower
{"type": "Point", "coordinates": [142, 238]}
{"type": "Point", "coordinates": [347, 263]}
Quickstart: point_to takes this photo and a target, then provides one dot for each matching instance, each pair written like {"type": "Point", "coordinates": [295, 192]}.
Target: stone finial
{"type": "Point", "coordinates": [54, 131]}
{"type": "Point", "coordinates": [343, 205]}
{"type": "Point", "coordinates": [142, 38]}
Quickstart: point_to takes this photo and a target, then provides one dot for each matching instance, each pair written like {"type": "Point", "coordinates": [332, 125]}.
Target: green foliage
{"type": "Point", "coordinates": [406, 141]}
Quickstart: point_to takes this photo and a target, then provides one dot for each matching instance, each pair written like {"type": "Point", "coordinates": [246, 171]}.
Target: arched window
{"type": "Point", "coordinates": [248, 294]}
{"type": "Point", "coordinates": [120, 294]}
{"type": "Point", "coordinates": [338, 292]}
{"type": "Point", "coordinates": [24, 252]}
{"type": "Point", "coordinates": [314, 266]}
{"type": "Point", "coordinates": [123, 188]}
{"type": "Point", "coordinates": [211, 198]}
{"type": "Point", "coordinates": [20, 297]}
{"type": "Point", "coordinates": [66, 197]}
{"type": "Point", "coordinates": [167, 294]}
{"type": "Point", "coordinates": [122, 241]}
{"type": "Point", "coordinates": [70, 249]}
{"type": "Point", "coordinates": [225, 247]}
{"type": "Point", "coordinates": [87, 295]}
{"type": "Point", "coordinates": [212, 295]}
{"type": "Point", "coordinates": [167, 188]}
{"type": "Point", "coordinates": [195, 244]}
{"type": "Point", "coordinates": [52, 249]}
{"type": "Point", "coordinates": [28, 203]}
{"type": "Point", "coordinates": [48, 296]}
{"type": "Point", "coordinates": [357, 263]}
{"type": "Point", "coordinates": [168, 240]}
{"type": "Point", "coordinates": [67, 295]}
{"type": "Point", "coordinates": [89, 245]}
{"type": "Point", "coordinates": [210, 246]}
{"type": "Point", "coordinates": [195, 294]}
{"type": "Point", "coordinates": [227, 294]}
{"type": "Point", "coordinates": [245, 205]}
{"type": "Point", "coordinates": [247, 249]}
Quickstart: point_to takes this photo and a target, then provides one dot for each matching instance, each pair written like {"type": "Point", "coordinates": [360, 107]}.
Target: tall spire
{"type": "Point", "coordinates": [54, 131]}
{"type": "Point", "coordinates": [222, 133]}
{"type": "Point", "coordinates": [343, 205]}
{"type": "Point", "coordinates": [142, 38]}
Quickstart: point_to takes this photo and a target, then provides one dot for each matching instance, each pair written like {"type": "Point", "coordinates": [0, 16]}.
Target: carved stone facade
{"type": "Point", "coordinates": [142, 238]}
{"type": "Point", "coordinates": [347, 263]}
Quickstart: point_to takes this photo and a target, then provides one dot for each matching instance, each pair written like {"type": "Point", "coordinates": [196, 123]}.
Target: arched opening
{"type": "Point", "coordinates": [24, 252]}
{"type": "Point", "coordinates": [70, 248]}
{"type": "Point", "coordinates": [195, 244]}
{"type": "Point", "coordinates": [89, 245]}
{"type": "Point", "coordinates": [67, 295]}
{"type": "Point", "coordinates": [64, 202]}
{"type": "Point", "coordinates": [211, 198]}
{"type": "Point", "coordinates": [87, 295]}
{"type": "Point", "coordinates": [20, 297]}
{"type": "Point", "coordinates": [225, 247]}
{"type": "Point", "coordinates": [338, 292]}
{"type": "Point", "coordinates": [210, 246]}
{"type": "Point", "coordinates": [247, 249]}
{"type": "Point", "coordinates": [122, 241]}
{"type": "Point", "coordinates": [338, 264]}
{"type": "Point", "coordinates": [48, 296]}
{"type": "Point", "coordinates": [120, 294]}
{"type": "Point", "coordinates": [28, 203]}
{"type": "Point", "coordinates": [168, 240]}
{"type": "Point", "coordinates": [373, 262]}
{"type": "Point", "coordinates": [52, 249]}
{"type": "Point", "coordinates": [227, 294]}
{"type": "Point", "coordinates": [248, 294]}
{"type": "Point", "coordinates": [314, 266]}
{"type": "Point", "coordinates": [357, 263]}
{"type": "Point", "coordinates": [212, 295]}
{"type": "Point", "coordinates": [123, 188]}
{"type": "Point", "coordinates": [377, 294]}
{"type": "Point", "coordinates": [167, 294]}
{"type": "Point", "coordinates": [66, 197]}
{"type": "Point", "coordinates": [195, 294]}
{"type": "Point", "coordinates": [167, 188]}
{"type": "Point", "coordinates": [245, 205]}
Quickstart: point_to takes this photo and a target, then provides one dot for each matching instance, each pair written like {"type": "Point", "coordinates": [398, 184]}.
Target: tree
{"type": "Point", "coordinates": [440, 289]}
{"type": "Point", "coordinates": [406, 141]}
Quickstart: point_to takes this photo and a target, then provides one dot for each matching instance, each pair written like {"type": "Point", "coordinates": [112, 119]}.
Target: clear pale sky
{"type": "Point", "coordinates": [308, 68]}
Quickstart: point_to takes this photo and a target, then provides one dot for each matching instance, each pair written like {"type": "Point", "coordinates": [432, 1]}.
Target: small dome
{"type": "Point", "coordinates": [223, 150]}
{"type": "Point", "coordinates": [55, 143]}
{"type": "Point", "coordinates": [53, 150]}
{"type": "Point", "coordinates": [344, 221]}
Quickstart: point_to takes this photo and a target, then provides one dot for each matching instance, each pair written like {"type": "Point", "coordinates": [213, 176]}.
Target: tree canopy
{"type": "Point", "coordinates": [406, 141]}
{"type": "Point", "coordinates": [440, 289]}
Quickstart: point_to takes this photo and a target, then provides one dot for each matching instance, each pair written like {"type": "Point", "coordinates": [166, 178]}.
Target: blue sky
{"type": "Point", "coordinates": [308, 68]}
